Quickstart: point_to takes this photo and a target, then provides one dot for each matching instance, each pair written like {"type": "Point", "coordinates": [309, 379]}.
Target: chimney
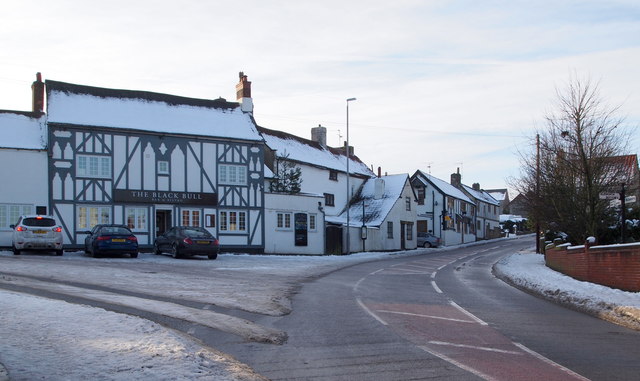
{"type": "Point", "coordinates": [319, 134]}
{"type": "Point", "coordinates": [243, 94]}
{"type": "Point", "coordinates": [344, 148]}
{"type": "Point", "coordinates": [379, 171]}
{"type": "Point", "coordinates": [378, 190]}
{"type": "Point", "coordinates": [456, 179]}
{"type": "Point", "coordinates": [37, 89]}
{"type": "Point", "coordinates": [476, 186]}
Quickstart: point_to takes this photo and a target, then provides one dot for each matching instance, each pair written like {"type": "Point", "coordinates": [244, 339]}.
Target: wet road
{"type": "Point", "coordinates": [441, 315]}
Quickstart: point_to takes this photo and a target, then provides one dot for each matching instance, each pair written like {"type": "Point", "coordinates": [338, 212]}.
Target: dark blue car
{"type": "Point", "coordinates": [111, 239]}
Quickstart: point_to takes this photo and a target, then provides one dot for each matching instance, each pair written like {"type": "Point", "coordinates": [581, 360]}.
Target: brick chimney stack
{"type": "Point", "coordinates": [456, 179]}
{"type": "Point", "coordinates": [37, 89]}
{"type": "Point", "coordinates": [243, 94]}
{"type": "Point", "coordinates": [476, 186]}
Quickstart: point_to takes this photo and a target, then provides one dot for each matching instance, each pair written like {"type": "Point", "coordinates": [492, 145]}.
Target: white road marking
{"type": "Point", "coordinates": [472, 316]}
{"type": "Point", "coordinates": [433, 275]}
{"type": "Point", "coordinates": [367, 310]}
{"type": "Point", "coordinates": [487, 349]}
{"type": "Point", "coordinates": [425, 316]}
{"type": "Point", "coordinates": [435, 287]}
{"type": "Point", "coordinates": [458, 364]}
{"type": "Point", "coordinates": [550, 362]}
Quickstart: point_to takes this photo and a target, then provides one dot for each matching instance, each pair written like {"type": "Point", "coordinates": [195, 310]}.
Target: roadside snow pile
{"type": "Point", "coordinates": [528, 271]}
{"type": "Point", "coordinates": [66, 343]}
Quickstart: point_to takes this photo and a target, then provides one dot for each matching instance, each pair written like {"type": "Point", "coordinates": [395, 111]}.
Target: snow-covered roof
{"type": "Point", "coordinates": [481, 195]}
{"type": "Point", "coordinates": [444, 187]}
{"type": "Point", "coordinates": [310, 152]}
{"type": "Point", "coordinates": [147, 111]}
{"type": "Point", "coordinates": [375, 210]}
{"type": "Point", "coordinates": [24, 130]}
{"type": "Point", "coordinates": [498, 194]}
{"type": "Point", "coordinates": [511, 217]}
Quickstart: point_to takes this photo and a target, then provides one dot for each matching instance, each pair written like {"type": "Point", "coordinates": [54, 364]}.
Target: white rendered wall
{"type": "Point", "coordinates": [23, 177]}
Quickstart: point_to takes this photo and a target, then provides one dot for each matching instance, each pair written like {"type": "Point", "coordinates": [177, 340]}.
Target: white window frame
{"type": "Point", "coordinates": [194, 217]}
{"type": "Point", "coordinates": [312, 226]}
{"type": "Point", "coordinates": [284, 221]}
{"type": "Point", "coordinates": [89, 216]}
{"type": "Point", "coordinates": [163, 167]}
{"type": "Point", "coordinates": [407, 201]}
{"type": "Point", "coordinates": [389, 229]}
{"type": "Point", "coordinates": [232, 221]}
{"type": "Point", "coordinates": [229, 174]}
{"type": "Point", "coordinates": [9, 213]}
{"type": "Point", "coordinates": [94, 166]}
{"type": "Point", "coordinates": [140, 218]}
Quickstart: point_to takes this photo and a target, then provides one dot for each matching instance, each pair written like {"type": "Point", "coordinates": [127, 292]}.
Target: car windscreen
{"type": "Point", "coordinates": [114, 230]}
{"type": "Point", "coordinates": [32, 221]}
{"type": "Point", "coordinates": [196, 233]}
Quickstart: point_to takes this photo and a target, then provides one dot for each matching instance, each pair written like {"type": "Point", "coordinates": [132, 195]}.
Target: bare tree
{"type": "Point", "coordinates": [573, 163]}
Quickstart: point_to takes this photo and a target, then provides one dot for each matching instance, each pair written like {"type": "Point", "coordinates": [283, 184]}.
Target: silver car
{"type": "Point", "coordinates": [37, 232]}
{"type": "Point", "coordinates": [428, 240]}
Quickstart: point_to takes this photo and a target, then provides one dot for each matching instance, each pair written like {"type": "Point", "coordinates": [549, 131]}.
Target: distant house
{"type": "Point", "coordinates": [323, 179]}
{"type": "Point", "coordinates": [520, 206]}
{"type": "Point", "coordinates": [501, 195]}
{"type": "Point", "coordinates": [23, 152]}
{"type": "Point", "coordinates": [443, 210]}
{"type": "Point", "coordinates": [487, 219]}
{"type": "Point", "coordinates": [626, 171]}
{"type": "Point", "coordinates": [382, 215]}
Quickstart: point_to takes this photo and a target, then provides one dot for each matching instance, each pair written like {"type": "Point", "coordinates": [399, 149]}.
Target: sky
{"type": "Point", "coordinates": [440, 85]}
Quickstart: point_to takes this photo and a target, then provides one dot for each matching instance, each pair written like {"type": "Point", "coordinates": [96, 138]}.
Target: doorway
{"type": "Point", "coordinates": [163, 221]}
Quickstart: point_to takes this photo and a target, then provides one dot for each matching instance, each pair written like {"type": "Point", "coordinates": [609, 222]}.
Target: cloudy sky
{"type": "Point", "coordinates": [440, 85]}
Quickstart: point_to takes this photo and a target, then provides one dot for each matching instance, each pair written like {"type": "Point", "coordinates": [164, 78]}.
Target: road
{"type": "Point", "coordinates": [436, 316]}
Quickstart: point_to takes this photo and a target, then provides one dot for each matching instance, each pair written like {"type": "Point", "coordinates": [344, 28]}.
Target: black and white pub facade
{"type": "Point", "coordinates": [152, 161]}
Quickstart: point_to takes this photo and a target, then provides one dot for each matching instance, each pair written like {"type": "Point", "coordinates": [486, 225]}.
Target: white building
{"type": "Point", "coordinates": [487, 218]}
{"type": "Point", "coordinates": [323, 176]}
{"type": "Point", "coordinates": [23, 155]}
{"type": "Point", "coordinates": [382, 215]}
{"type": "Point", "coordinates": [444, 210]}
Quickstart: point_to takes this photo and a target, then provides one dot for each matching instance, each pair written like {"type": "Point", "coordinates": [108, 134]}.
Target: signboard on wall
{"type": "Point", "coordinates": [164, 197]}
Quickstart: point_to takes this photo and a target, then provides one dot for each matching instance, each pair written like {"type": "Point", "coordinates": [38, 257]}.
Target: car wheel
{"type": "Point", "coordinates": [59, 252]}
{"type": "Point", "coordinates": [427, 244]}
{"type": "Point", "coordinates": [213, 256]}
{"type": "Point", "coordinates": [16, 251]}
{"type": "Point", "coordinates": [156, 249]}
{"type": "Point", "coordinates": [175, 251]}
{"type": "Point", "coordinates": [134, 255]}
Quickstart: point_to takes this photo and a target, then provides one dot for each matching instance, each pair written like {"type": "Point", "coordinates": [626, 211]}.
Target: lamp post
{"type": "Point", "coordinates": [348, 187]}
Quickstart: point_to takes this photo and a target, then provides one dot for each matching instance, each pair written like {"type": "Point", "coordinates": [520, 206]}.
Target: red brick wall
{"type": "Point", "coordinates": [616, 266]}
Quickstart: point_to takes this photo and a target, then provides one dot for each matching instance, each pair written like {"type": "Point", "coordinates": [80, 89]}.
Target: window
{"type": "Point", "coordinates": [93, 166]}
{"type": "Point", "coordinates": [329, 199]}
{"type": "Point", "coordinates": [9, 213]}
{"type": "Point", "coordinates": [407, 202]}
{"type": "Point", "coordinates": [421, 195]}
{"type": "Point", "coordinates": [163, 167]}
{"type": "Point", "coordinates": [409, 229]}
{"type": "Point", "coordinates": [389, 229]}
{"type": "Point", "coordinates": [137, 219]}
{"type": "Point", "coordinates": [333, 175]}
{"type": "Point", "coordinates": [231, 221]}
{"type": "Point", "coordinates": [232, 174]}
{"type": "Point", "coordinates": [210, 220]}
{"type": "Point", "coordinates": [90, 216]}
{"type": "Point", "coordinates": [190, 217]}
{"type": "Point", "coordinates": [284, 221]}
{"type": "Point", "coordinates": [312, 222]}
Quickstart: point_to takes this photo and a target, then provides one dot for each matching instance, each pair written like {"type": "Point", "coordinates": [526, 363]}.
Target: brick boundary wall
{"type": "Point", "coordinates": [615, 266]}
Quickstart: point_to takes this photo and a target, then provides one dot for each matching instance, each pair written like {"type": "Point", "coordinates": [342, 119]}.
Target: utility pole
{"type": "Point", "coordinates": [537, 193]}
{"type": "Point", "coordinates": [623, 216]}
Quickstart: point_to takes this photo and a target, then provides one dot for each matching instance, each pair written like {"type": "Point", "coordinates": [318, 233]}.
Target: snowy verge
{"type": "Point", "coordinates": [527, 271]}
{"type": "Point", "coordinates": [56, 340]}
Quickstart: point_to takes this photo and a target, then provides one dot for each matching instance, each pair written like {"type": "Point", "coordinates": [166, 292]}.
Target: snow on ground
{"type": "Point", "coordinates": [528, 271]}
{"type": "Point", "coordinates": [37, 334]}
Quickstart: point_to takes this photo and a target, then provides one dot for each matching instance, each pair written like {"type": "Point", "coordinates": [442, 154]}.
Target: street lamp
{"type": "Point", "coordinates": [348, 187]}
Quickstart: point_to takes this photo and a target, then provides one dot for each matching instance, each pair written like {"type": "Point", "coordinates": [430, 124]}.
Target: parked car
{"type": "Point", "coordinates": [110, 239]}
{"type": "Point", "coordinates": [37, 232]}
{"type": "Point", "coordinates": [182, 241]}
{"type": "Point", "coordinates": [428, 240]}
